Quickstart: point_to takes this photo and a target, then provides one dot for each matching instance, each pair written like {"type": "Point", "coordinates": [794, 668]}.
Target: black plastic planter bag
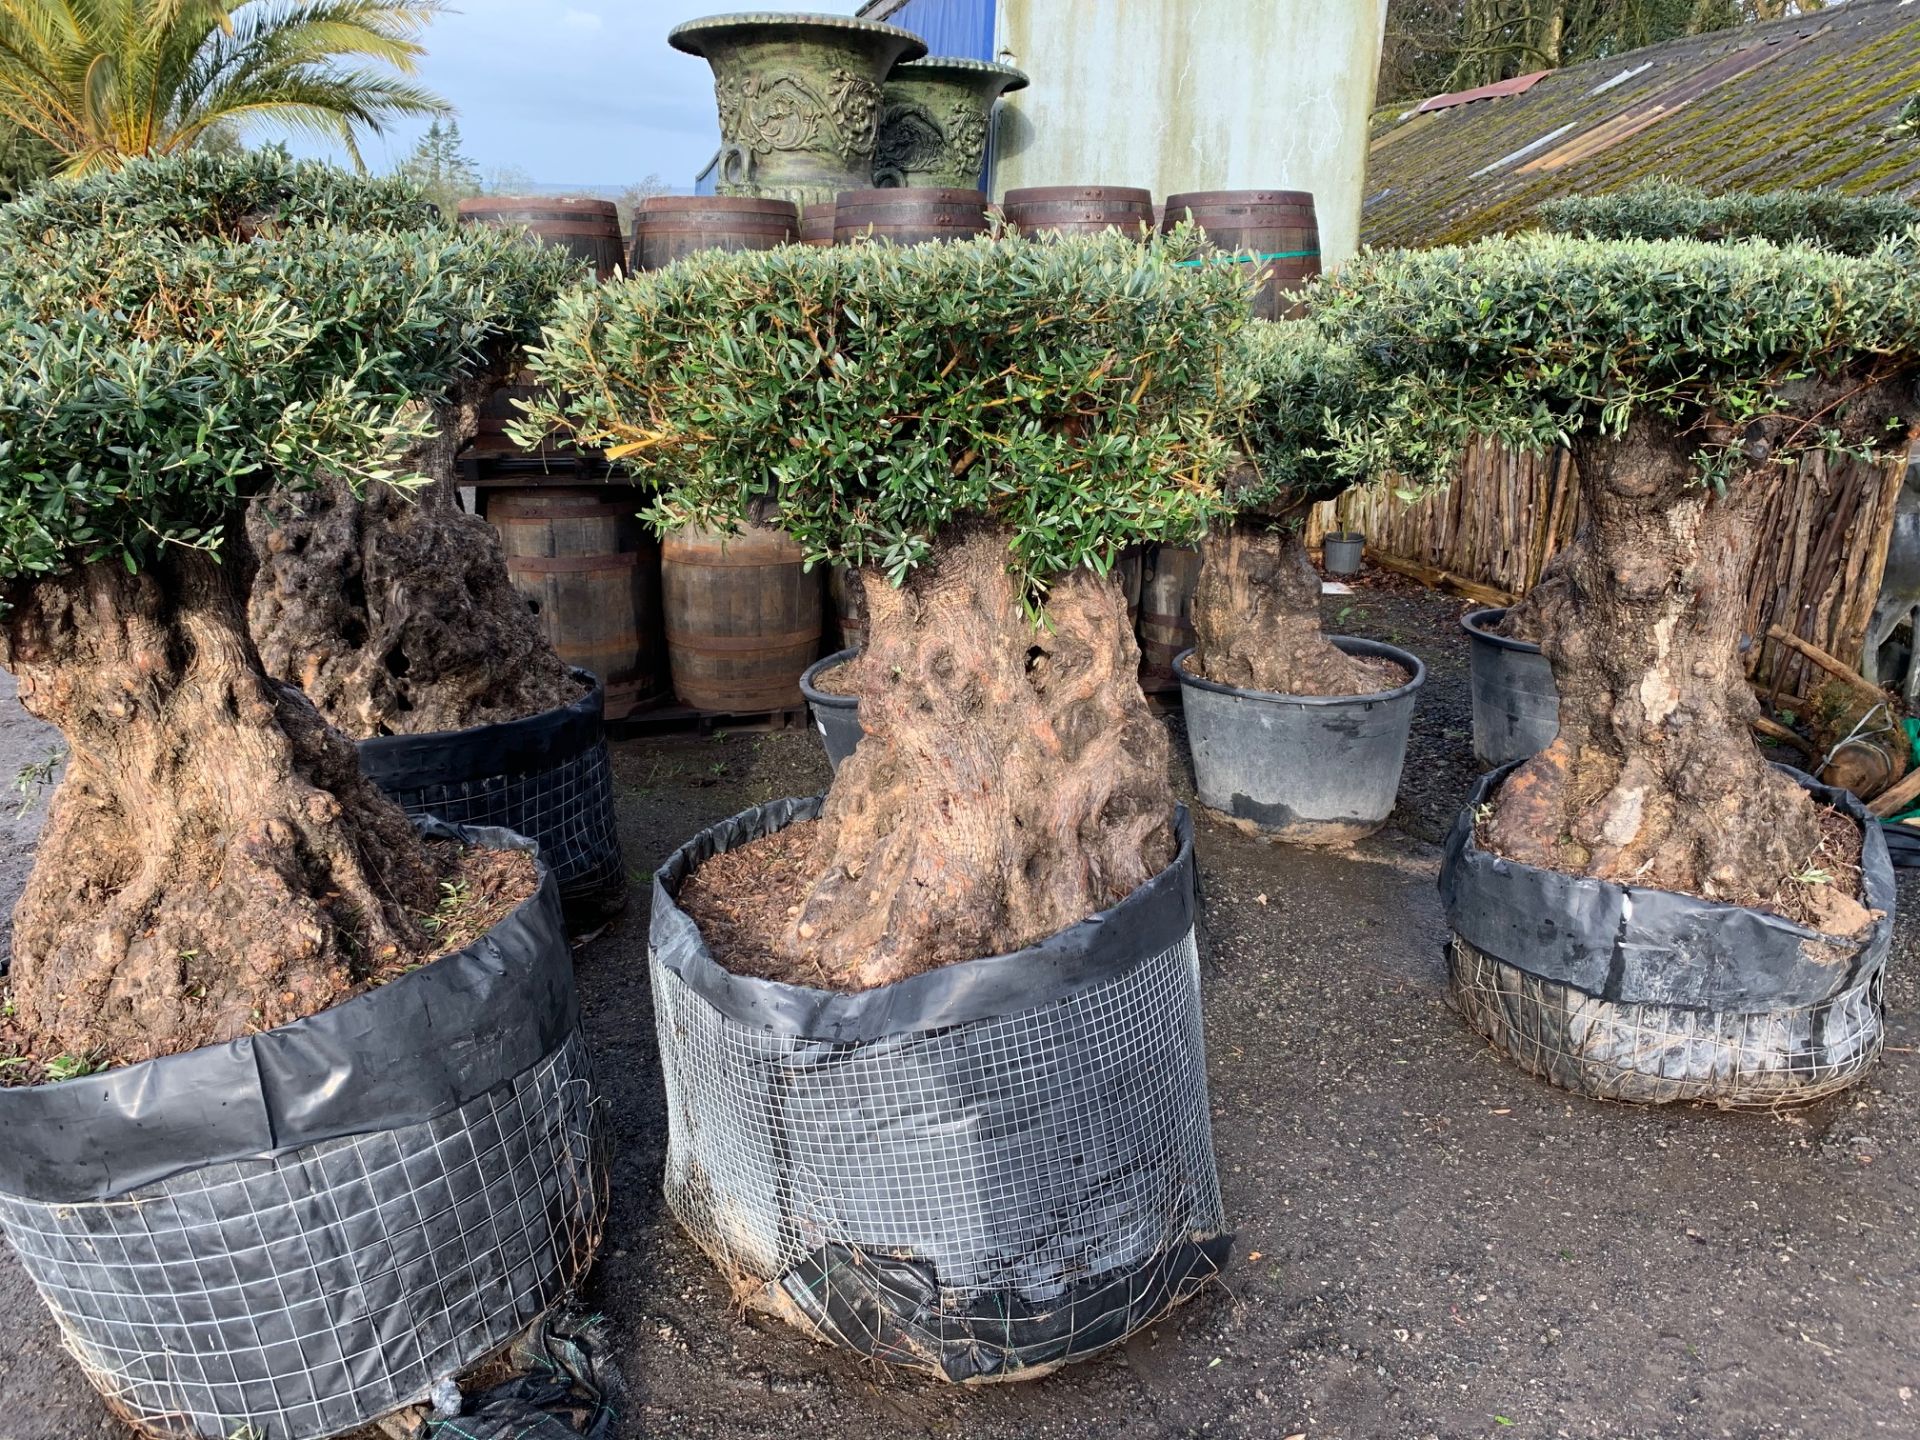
{"type": "Point", "coordinates": [1624, 993]}
{"type": "Point", "coordinates": [308, 1228]}
{"type": "Point", "coordinates": [983, 1171]}
{"type": "Point", "coordinates": [549, 777]}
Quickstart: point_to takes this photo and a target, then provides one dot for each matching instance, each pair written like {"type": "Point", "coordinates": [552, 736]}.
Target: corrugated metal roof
{"type": "Point", "coordinates": [1799, 102]}
{"type": "Point", "coordinates": [1519, 85]}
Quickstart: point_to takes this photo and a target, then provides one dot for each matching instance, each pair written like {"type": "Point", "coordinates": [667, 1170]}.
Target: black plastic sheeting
{"type": "Point", "coordinates": [414, 1048]}
{"type": "Point", "coordinates": [1635, 945]}
{"type": "Point", "coordinates": [1157, 915]}
{"type": "Point", "coordinates": [982, 1171]}
{"type": "Point", "coordinates": [293, 1235]}
{"type": "Point", "coordinates": [547, 776]}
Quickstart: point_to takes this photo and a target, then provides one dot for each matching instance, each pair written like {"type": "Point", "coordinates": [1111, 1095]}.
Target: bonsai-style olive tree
{"type": "Point", "coordinates": [1256, 608]}
{"type": "Point", "coordinates": [1688, 379]}
{"type": "Point", "coordinates": [392, 609]}
{"type": "Point", "coordinates": [213, 863]}
{"type": "Point", "coordinates": [980, 427]}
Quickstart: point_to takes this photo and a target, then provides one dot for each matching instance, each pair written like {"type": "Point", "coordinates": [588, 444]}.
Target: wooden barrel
{"type": "Point", "coordinates": [816, 224]}
{"type": "Point", "coordinates": [1079, 209]}
{"type": "Point", "coordinates": [1276, 227]}
{"type": "Point", "coordinates": [1168, 576]}
{"type": "Point", "coordinates": [909, 217]}
{"type": "Point", "coordinates": [743, 619]}
{"type": "Point", "coordinates": [848, 597]}
{"type": "Point", "coordinates": [591, 570]}
{"type": "Point", "coordinates": [667, 228]}
{"type": "Point", "coordinates": [589, 228]}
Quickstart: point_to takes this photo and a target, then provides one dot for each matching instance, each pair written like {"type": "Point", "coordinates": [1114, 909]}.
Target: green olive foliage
{"type": "Point", "coordinates": [1533, 339]}
{"type": "Point", "coordinates": [153, 379]}
{"type": "Point", "coordinates": [1663, 209]}
{"type": "Point", "coordinates": [1080, 391]}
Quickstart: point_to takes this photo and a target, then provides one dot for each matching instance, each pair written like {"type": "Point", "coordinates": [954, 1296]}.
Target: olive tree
{"type": "Point", "coordinates": [980, 427]}
{"type": "Point", "coordinates": [213, 862]}
{"type": "Point", "coordinates": [392, 609]}
{"type": "Point", "coordinates": [1689, 379]}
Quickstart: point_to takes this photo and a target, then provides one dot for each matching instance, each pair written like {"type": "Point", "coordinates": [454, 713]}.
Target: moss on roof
{"type": "Point", "coordinates": [1810, 105]}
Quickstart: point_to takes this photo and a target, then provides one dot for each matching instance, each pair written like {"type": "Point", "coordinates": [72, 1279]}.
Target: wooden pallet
{"type": "Point", "coordinates": [670, 717]}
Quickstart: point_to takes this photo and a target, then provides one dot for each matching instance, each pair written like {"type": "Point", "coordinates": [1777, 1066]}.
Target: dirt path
{"type": "Point", "coordinates": [1444, 1247]}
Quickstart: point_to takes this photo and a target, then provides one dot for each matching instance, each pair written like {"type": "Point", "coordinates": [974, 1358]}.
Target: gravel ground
{"type": "Point", "coordinates": [1430, 1243]}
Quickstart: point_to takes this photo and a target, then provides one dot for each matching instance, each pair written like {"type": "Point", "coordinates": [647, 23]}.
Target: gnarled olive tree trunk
{"type": "Point", "coordinates": [1655, 778]}
{"type": "Point", "coordinates": [213, 862]}
{"type": "Point", "coordinates": [1256, 618]}
{"type": "Point", "coordinates": [393, 611]}
{"type": "Point", "coordinates": [1012, 781]}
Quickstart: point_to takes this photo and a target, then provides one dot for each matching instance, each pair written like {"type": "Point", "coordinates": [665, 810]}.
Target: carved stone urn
{"type": "Point", "coordinates": [934, 126]}
{"type": "Point", "coordinates": [799, 98]}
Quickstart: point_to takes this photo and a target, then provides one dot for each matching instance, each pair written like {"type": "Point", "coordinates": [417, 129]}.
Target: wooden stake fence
{"type": "Point", "coordinates": [1821, 556]}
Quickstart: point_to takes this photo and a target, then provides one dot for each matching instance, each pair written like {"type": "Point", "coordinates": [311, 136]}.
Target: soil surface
{"type": "Point", "coordinates": [1432, 1246]}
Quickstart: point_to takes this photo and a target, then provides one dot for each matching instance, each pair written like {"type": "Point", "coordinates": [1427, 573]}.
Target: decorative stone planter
{"type": "Point", "coordinates": [1624, 993]}
{"type": "Point", "coordinates": [937, 116]}
{"type": "Point", "coordinates": [299, 1232]}
{"type": "Point", "coordinates": [984, 1171]}
{"type": "Point", "coordinates": [799, 98]}
{"type": "Point", "coordinates": [1516, 705]}
{"type": "Point", "coordinates": [836, 717]}
{"type": "Point", "coordinates": [1302, 769]}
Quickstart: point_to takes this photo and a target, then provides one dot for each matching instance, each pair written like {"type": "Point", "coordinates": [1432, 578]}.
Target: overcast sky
{"type": "Point", "coordinates": [577, 91]}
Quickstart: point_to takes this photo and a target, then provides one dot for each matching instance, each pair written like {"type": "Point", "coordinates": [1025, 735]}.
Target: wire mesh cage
{"type": "Point", "coordinates": [979, 1195]}
{"type": "Point", "coordinates": [549, 777]}
{"type": "Point", "coordinates": [307, 1295]}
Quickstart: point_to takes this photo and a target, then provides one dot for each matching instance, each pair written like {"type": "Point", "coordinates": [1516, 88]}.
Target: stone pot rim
{"type": "Point", "coordinates": [690, 37]}
{"type": "Point", "coordinates": [930, 66]}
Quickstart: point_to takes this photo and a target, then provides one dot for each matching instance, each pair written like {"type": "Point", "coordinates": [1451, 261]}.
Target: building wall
{"type": "Point", "coordinates": [1193, 95]}
{"type": "Point", "coordinates": [961, 29]}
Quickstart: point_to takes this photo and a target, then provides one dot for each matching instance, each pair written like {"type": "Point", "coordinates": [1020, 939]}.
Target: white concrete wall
{"type": "Point", "coordinates": [1195, 95]}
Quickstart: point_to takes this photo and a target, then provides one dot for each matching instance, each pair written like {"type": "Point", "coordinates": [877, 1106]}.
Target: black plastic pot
{"type": "Point", "coordinates": [1516, 705]}
{"type": "Point", "coordinates": [1625, 993]}
{"type": "Point", "coordinates": [1304, 769]}
{"type": "Point", "coordinates": [549, 776]}
{"type": "Point", "coordinates": [306, 1229]}
{"type": "Point", "coordinates": [836, 717]}
{"type": "Point", "coordinates": [984, 1171]}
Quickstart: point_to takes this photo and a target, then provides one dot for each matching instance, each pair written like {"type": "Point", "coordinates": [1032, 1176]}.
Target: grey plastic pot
{"type": "Point", "coordinates": [1304, 769]}
{"type": "Point", "coordinates": [1342, 552]}
{"type": "Point", "coordinates": [1516, 705]}
{"type": "Point", "coordinates": [836, 717]}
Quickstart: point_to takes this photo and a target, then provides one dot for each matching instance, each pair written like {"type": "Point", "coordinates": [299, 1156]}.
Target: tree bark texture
{"type": "Point", "coordinates": [1654, 778]}
{"type": "Point", "coordinates": [393, 611]}
{"type": "Point", "coordinates": [1012, 781]}
{"type": "Point", "coordinates": [213, 862]}
{"type": "Point", "coordinates": [1256, 619]}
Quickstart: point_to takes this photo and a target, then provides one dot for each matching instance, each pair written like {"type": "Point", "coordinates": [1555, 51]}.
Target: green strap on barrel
{"type": "Point", "coordinates": [1256, 259]}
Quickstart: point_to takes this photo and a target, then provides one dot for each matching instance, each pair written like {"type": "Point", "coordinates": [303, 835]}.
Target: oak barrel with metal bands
{"type": "Point", "coordinates": [1274, 229]}
{"type": "Point", "coordinates": [743, 618]}
{"type": "Point", "coordinates": [816, 223]}
{"type": "Point", "coordinates": [588, 228]}
{"type": "Point", "coordinates": [1079, 209]}
{"type": "Point", "coordinates": [909, 217]}
{"type": "Point", "coordinates": [590, 568]}
{"type": "Point", "coordinates": [1169, 574]}
{"type": "Point", "coordinates": [667, 228]}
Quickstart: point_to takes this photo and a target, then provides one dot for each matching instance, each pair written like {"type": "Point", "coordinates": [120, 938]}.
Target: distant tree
{"type": "Point", "coordinates": [104, 82]}
{"type": "Point", "coordinates": [636, 195]}
{"type": "Point", "coordinates": [1435, 45]}
{"type": "Point", "coordinates": [25, 160]}
{"type": "Point", "coordinates": [440, 166]}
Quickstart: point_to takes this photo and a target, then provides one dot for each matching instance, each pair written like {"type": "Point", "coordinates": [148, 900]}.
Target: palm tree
{"type": "Point", "coordinates": [103, 80]}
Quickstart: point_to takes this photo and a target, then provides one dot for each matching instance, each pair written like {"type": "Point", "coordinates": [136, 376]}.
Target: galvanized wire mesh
{"type": "Point", "coordinates": [309, 1294]}
{"type": "Point", "coordinates": [1654, 1054]}
{"type": "Point", "coordinates": [1041, 1167]}
{"type": "Point", "coordinates": [567, 807]}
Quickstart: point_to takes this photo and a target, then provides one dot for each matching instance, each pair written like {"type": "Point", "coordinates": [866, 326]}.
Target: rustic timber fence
{"type": "Point", "coordinates": [1817, 574]}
